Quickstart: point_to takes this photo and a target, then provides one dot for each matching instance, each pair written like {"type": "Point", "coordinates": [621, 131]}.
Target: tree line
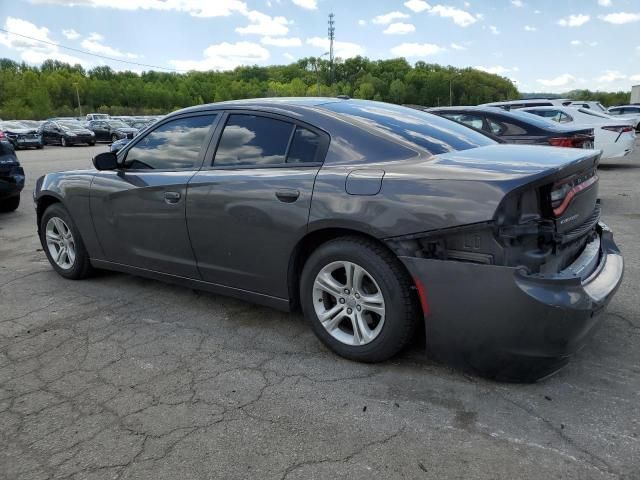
{"type": "Point", "coordinates": [53, 88]}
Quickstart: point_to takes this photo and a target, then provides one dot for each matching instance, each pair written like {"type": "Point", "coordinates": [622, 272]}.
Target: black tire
{"type": "Point", "coordinates": [92, 144]}
{"type": "Point", "coordinates": [82, 266]}
{"type": "Point", "coordinates": [10, 204]}
{"type": "Point", "coordinates": [40, 147]}
{"type": "Point", "coordinates": [401, 309]}
{"type": "Point", "coordinates": [63, 142]}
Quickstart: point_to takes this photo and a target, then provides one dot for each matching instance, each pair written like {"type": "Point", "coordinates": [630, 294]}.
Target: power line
{"type": "Point", "coordinates": [92, 54]}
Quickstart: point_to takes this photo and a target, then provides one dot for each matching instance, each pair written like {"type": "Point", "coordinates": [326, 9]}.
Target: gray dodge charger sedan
{"type": "Point", "coordinates": [379, 221]}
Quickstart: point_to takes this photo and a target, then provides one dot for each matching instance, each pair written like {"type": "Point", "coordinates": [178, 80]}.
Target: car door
{"type": "Point", "coordinates": [101, 129]}
{"type": "Point", "coordinates": [139, 210]}
{"type": "Point", "coordinates": [249, 207]}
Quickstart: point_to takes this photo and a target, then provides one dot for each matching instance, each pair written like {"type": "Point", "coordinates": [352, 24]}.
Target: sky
{"type": "Point", "coordinates": [542, 45]}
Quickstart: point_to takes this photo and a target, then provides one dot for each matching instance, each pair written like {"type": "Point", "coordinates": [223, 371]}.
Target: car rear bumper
{"type": "Point", "coordinates": [506, 324]}
{"type": "Point", "coordinates": [11, 182]}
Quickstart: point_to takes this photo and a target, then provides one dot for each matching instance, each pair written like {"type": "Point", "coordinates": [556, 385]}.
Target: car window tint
{"type": "Point", "coordinates": [304, 146]}
{"type": "Point", "coordinates": [425, 130]}
{"type": "Point", "coordinates": [564, 118]}
{"type": "Point", "coordinates": [472, 120]}
{"type": "Point", "coordinates": [513, 129]}
{"type": "Point", "coordinates": [173, 145]}
{"type": "Point", "coordinates": [495, 127]}
{"type": "Point", "coordinates": [253, 140]}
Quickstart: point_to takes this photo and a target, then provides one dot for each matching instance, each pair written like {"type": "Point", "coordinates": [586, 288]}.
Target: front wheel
{"type": "Point", "coordinates": [114, 138]}
{"type": "Point", "coordinates": [62, 243]}
{"type": "Point", "coordinates": [358, 299]}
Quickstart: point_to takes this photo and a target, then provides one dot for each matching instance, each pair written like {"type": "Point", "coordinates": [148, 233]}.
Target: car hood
{"type": "Point", "coordinates": [21, 131]}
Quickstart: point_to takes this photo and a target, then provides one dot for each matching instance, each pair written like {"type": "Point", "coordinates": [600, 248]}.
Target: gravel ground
{"type": "Point", "coordinates": [122, 377]}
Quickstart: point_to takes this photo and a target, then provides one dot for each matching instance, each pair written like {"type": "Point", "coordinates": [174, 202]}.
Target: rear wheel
{"type": "Point", "coordinates": [63, 142]}
{"type": "Point", "coordinates": [358, 299]}
{"type": "Point", "coordinates": [62, 243]}
{"type": "Point", "coordinates": [10, 204]}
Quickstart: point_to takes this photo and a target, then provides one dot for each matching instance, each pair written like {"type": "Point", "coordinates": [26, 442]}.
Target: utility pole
{"type": "Point", "coordinates": [332, 31]}
{"type": "Point", "coordinates": [78, 97]}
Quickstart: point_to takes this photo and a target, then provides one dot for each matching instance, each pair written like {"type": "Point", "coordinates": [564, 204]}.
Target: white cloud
{"type": "Point", "coordinates": [281, 41]}
{"type": "Point", "coordinates": [417, 5]}
{"type": "Point", "coordinates": [70, 33]}
{"type": "Point", "coordinates": [225, 56]}
{"type": "Point", "coordinates": [459, 17]}
{"type": "Point", "coordinates": [494, 30]}
{"type": "Point", "coordinates": [576, 42]}
{"type": "Point", "coordinates": [388, 17]}
{"type": "Point", "coordinates": [93, 44]}
{"type": "Point", "coordinates": [559, 81]}
{"type": "Point", "coordinates": [621, 18]}
{"type": "Point", "coordinates": [33, 51]}
{"type": "Point", "coordinates": [537, 12]}
{"type": "Point", "coordinates": [529, 28]}
{"type": "Point", "coordinates": [497, 69]}
{"type": "Point", "coordinates": [604, 3]}
{"type": "Point", "coordinates": [263, 24]}
{"type": "Point", "coordinates": [308, 4]}
{"type": "Point", "coordinates": [416, 49]}
{"type": "Point", "coordinates": [517, 3]}
{"type": "Point", "coordinates": [399, 29]}
{"type": "Point", "coordinates": [574, 20]}
{"type": "Point", "coordinates": [635, 78]}
{"type": "Point", "coordinates": [456, 46]}
{"type": "Point", "coordinates": [342, 49]}
{"type": "Point", "coordinates": [196, 8]}
{"type": "Point", "coordinates": [611, 76]}
{"type": "Point", "coordinates": [362, 23]}
{"type": "Point", "coordinates": [288, 56]}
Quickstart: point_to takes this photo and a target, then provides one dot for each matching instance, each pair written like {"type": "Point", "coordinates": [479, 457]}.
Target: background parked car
{"type": "Point", "coordinates": [11, 177]}
{"type": "Point", "coordinates": [111, 130]}
{"type": "Point", "coordinates": [66, 132]}
{"type": "Point", "coordinates": [631, 112]}
{"type": "Point", "coordinates": [528, 102]}
{"type": "Point", "coordinates": [518, 127]}
{"type": "Point", "coordinates": [616, 138]}
{"type": "Point", "coordinates": [597, 106]}
{"type": "Point", "coordinates": [21, 135]}
{"type": "Point", "coordinates": [97, 116]}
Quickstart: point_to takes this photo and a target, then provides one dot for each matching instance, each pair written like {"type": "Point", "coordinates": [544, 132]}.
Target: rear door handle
{"type": "Point", "coordinates": [172, 197]}
{"type": "Point", "coordinates": [288, 195]}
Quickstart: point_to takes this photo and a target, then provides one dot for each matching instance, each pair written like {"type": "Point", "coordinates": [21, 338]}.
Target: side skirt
{"type": "Point", "coordinates": [253, 297]}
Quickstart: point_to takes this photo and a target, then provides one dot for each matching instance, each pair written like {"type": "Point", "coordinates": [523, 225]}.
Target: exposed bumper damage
{"type": "Point", "coordinates": [504, 323]}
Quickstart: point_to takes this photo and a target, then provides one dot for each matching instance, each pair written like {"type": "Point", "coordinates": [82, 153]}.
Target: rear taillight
{"type": "Point", "coordinates": [619, 128]}
{"type": "Point", "coordinates": [2, 135]}
{"type": "Point", "coordinates": [563, 191]}
{"type": "Point", "coordinates": [576, 141]}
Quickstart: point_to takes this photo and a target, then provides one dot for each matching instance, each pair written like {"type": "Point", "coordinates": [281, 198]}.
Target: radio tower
{"type": "Point", "coordinates": [332, 31]}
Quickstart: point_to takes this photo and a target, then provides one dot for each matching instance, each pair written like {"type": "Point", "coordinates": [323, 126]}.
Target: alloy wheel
{"type": "Point", "coordinates": [60, 243]}
{"type": "Point", "coordinates": [63, 141]}
{"type": "Point", "coordinates": [349, 303]}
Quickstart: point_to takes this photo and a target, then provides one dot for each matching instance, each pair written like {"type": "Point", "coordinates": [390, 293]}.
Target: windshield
{"type": "Point", "coordinates": [430, 132]}
{"type": "Point", "coordinates": [118, 124]}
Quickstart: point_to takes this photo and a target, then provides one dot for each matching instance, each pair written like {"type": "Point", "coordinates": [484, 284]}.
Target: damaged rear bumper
{"type": "Point", "coordinates": [504, 323]}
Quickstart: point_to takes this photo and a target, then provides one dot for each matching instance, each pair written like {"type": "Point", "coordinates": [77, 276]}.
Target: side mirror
{"type": "Point", "coordinates": [105, 161]}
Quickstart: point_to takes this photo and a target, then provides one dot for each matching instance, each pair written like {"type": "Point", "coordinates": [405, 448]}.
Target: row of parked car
{"type": "Point", "coordinates": [66, 131]}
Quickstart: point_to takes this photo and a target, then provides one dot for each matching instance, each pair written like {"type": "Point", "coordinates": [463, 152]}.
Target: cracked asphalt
{"type": "Point", "coordinates": [118, 377]}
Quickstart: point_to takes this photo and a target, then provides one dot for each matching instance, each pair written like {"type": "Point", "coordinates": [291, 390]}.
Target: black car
{"type": "Point", "coordinates": [11, 176]}
{"type": "Point", "coordinates": [518, 127]}
{"type": "Point", "coordinates": [111, 130]}
{"type": "Point", "coordinates": [371, 218]}
{"type": "Point", "coordinates": [66, 132]}
{"type": "Point", "coordinates": [21, 135]}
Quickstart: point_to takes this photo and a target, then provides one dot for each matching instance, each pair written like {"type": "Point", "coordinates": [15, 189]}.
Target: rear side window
{"type": "Point", "coordinates": [173, 145]}
{"type": "Point", "coordinates": [427, 131]}
{"type": "Point", "coordinates": [253, 140]}
{"type": "Point", "coordinates": [473, 121]}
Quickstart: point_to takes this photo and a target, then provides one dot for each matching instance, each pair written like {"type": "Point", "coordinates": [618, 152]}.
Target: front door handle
{"type": "Point", "coordinates": [288, 195]}
{"type": "Point", "coordinates": [172, 197]}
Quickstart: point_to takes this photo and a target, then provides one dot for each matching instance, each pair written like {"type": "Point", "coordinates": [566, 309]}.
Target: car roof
{"type": "Point", "coordinates": [290, 104]}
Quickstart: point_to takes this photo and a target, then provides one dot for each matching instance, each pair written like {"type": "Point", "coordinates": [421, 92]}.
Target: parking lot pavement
{"type": "Point", "coordinates": [122, 377]}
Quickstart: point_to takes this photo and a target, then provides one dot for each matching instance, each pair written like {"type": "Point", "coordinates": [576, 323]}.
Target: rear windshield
{"type": "Point", "coordinates": [430, 132]}
{"type": "Point", "coordinates": [529, 118]}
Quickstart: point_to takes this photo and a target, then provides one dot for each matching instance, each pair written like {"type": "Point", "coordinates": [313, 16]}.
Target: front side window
{"type": "Point", "coordinates": [173, 145]}
{"type": "Point", "coordinates": [252, 140]}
